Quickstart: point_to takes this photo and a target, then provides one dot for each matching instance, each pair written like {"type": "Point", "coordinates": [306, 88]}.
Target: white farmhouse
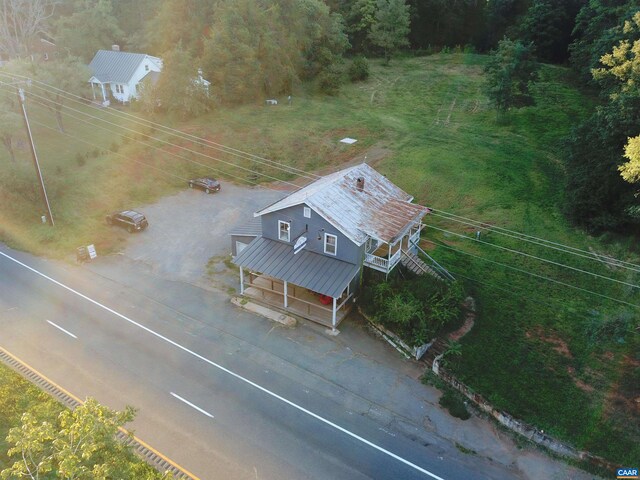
{"type": "Point", "coordinates": [117, 74]}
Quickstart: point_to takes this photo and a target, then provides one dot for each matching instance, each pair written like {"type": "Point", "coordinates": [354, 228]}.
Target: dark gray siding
{"type": "Point", "coordinates": [316, 226]}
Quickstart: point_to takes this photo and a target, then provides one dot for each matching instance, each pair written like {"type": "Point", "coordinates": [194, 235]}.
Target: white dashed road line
{"type": "Point", "coordinates": [61, 329]}
{"type": "Point", "coordinates": [233, 374]}
{"type": "Point", "coordinates": [191, 404]}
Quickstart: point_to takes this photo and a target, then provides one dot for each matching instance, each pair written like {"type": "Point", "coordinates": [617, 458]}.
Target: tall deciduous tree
{"type": "Point", "coordinates": [260, 47]}
{"type": "Point", "coordinates": [53, 80]}
{"type": "Point", "coordinates": [390, 29]}
{"type": "Point", "coordinates": [548, 25]}
{"type": "Point", "coordinates": [620, 76]}
{"type": "Point", "coordinates": [80, 444]}
{"type": "Point", "coordinates": [90, 28]}
{"type": "Point", "coordinates": [630, 171]}
{"type": "Point", "coordinates": [20, 22]}
{"type": "Point", "coordinates": [597, 29]}
{"type": "Point", "coordinates": [179, 22]}
{"type": "Point", "coordinates": [57, 77]}
{"type": "Point", "coordinates": [510, 71]}
{"type": "Point", "coordinates": [180, 88]}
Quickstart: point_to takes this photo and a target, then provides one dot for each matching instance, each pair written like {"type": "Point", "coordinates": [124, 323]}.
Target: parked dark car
{"type": "Point", "coordinates": [209, 185]}
{"type": "Point", "coordinates": [132, 221]}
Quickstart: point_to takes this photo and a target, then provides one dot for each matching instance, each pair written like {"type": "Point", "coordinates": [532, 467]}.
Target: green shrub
{"type": "Point", "coordinates": [359, 69]}
{"type": "Point", "coordinates": [330, 80]}
{"type": "Point", "coordinates": [416, 309]}
{"type": "Point", "coordinates": [455, 405]}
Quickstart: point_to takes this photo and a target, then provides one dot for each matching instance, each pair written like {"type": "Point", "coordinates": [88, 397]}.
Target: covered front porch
{"type": "Point", "coordinates": [384, 257]}
{"type": "Point", "coordinates": [307, 284]}
{"type": "Point", "coordinates": [298, 300]}
{"type": "Point", "coordinates": [102, 89]}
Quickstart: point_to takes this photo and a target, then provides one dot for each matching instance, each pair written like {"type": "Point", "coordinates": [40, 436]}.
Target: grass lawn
{"type": "Point", "coordinates": [563, 359]}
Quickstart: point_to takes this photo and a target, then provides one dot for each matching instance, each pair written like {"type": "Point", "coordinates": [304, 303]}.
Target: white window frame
{"type": "Point", "coordinates": [307, 212]}
{"type": "Point", "coordinates": [335, 245]}
{"type": "Point", "coordinates": [288, 224]}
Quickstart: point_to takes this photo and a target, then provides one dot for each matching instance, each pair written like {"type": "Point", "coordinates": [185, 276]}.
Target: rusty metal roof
{"type": "Point", "coordinates": [380, 210]}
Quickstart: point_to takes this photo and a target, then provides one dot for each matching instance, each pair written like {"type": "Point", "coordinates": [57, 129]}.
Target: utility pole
{"type": "Point", "coordinates": [34, 155]}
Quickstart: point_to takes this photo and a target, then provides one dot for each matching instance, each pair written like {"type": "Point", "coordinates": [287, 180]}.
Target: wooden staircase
{"type": "Point", "coordinates": [415, 264]}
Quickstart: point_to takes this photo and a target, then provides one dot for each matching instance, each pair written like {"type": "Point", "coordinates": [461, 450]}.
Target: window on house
{"type": "Point", "coordinates": [307, 212]}
{"type": "Point", "coordinates": [330, 244]}
{"type": "Point", "coordinates": [284, 231]}
{"type": "Point", "coordinates": [146, 68]}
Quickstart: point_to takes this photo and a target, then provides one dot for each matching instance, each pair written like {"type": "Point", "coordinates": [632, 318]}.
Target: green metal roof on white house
{"type": "Point", "coordinates": [109, 66]}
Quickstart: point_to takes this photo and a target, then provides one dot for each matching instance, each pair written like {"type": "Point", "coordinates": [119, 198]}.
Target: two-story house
{"type": "Point", "coordinates": [312, 245]}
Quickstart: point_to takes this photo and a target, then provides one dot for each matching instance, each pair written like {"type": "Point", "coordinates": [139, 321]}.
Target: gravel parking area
{"type": "Point", "coordinates": [187, 229]}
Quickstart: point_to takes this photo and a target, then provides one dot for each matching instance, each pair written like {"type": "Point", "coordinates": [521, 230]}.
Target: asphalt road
{"type": "Point", "coordinates": [214, 403]}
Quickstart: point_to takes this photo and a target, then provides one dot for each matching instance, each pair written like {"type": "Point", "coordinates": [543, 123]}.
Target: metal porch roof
{"type": "Point", "coordinates": [316, 272]}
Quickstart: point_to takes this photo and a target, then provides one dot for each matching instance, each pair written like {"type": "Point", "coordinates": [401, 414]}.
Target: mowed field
{"type": "Point", "coordinates": [556, 339]}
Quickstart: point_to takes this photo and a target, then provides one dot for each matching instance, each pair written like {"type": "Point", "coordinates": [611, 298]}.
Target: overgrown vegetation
{"type": "Point", "coordinates": [416, 309]}
{"type": "Point", "coordinates": [454, 403]}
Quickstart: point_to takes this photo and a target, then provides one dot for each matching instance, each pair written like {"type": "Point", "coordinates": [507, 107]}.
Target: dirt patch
{"type": "Point", "coordinates": [585, 387]}
{"type": "Point", "coordinates": [469, 306]}
{"type": "Point", "coordinates": [558, 345]}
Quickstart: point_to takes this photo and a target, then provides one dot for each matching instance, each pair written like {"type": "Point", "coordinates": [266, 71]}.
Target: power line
{"type": "Point", "coordinates": [535, 257]}
{"type": "Point", "coordinates": [535, 240]}
{"type": "Point", "coordinates": [116, 153]}
{"type": "Point", "coordinates": [542, 277]}
{"type": "Point", "coordinates": [169, 143]}
{"type": "Point", "coordinates": [443, 214]}
{"type": "Point", "coordinates": [510, 291]}
{"type": "Point", "coordinates": [186, 136]}
{"type": "Point", "coordinates": [217, 170]}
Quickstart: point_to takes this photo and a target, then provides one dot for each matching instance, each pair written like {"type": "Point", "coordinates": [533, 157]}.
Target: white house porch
{"type": "Point", "coordinates": [384, 257]}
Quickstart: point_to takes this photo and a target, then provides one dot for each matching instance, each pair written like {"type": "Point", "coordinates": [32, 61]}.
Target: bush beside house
{"type": "Point", "coordinates": [416, 309]}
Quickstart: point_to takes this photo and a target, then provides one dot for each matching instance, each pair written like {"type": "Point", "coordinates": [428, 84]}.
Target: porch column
{"type": "Point", "coordinates": [285, 295]}
{"type": "Point", "coordinates": [93, 90]}
{"type": "Point", "coordinates": [333, 315]}
{"type": "Point", "coordinates": [241, 281]}
{"type": "Point", "coordinates": [104, 94]}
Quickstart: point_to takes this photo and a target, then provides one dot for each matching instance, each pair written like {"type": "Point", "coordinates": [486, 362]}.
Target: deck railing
{"type": "Point", "coordinates": [381, 263]}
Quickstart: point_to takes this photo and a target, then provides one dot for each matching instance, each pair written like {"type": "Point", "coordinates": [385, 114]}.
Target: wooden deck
{"type": "Point", "coordinates": [300, 301]}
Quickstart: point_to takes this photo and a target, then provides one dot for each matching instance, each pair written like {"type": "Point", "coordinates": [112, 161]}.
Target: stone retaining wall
{"type": "Point", "coordinates": [515, 425]}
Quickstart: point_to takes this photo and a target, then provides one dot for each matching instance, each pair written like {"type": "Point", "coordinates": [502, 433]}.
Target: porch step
{"type": "Point", "coordinates": [416, 265]}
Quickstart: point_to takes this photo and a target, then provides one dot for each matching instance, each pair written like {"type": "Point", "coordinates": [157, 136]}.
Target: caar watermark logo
{"type": "Point", "coordinates": [627, 473]}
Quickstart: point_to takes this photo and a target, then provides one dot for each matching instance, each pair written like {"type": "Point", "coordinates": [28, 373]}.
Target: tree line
{"type": "Point", "coordinates": [250, 49]}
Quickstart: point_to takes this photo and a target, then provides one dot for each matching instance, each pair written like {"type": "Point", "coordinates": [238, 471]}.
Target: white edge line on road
{"type": "Point", "coordinates": [60, 328]}
{"type": "Point", "coordinates": [191, 404]}
{"type": "Point", "coordinates": [233, 374]}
